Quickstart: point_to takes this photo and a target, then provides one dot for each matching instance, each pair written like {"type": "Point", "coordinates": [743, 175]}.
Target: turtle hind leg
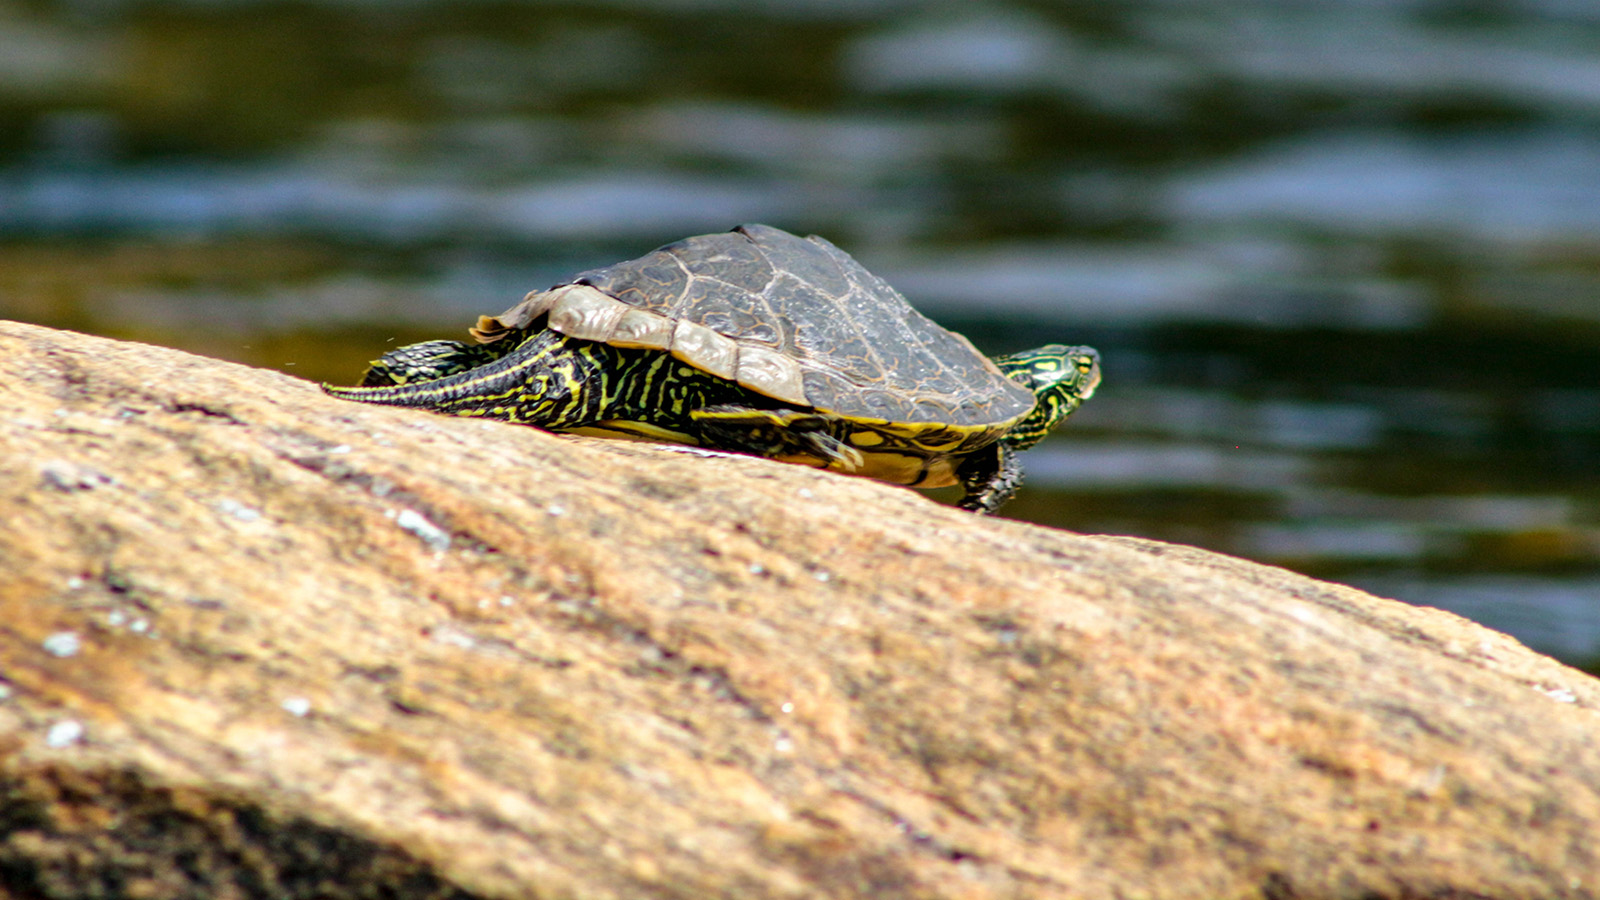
{"type": "Point", "coordinates": [543, 382]}
{"type": "Point", "coordinates": [990, 476]}
{"type": "Point", "coordinates": [775, 433]}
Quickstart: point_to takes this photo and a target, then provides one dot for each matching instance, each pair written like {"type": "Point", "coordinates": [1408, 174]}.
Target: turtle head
{"type": "Point", "coordinates": [1061, 377]}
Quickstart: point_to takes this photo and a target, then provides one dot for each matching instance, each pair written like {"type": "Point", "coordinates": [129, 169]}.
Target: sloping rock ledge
{"type": "Point", "coordinates": [255, 642]}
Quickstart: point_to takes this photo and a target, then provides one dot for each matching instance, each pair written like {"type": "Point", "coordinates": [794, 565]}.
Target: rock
{"type": "Point", "coordinates": [256, 642]}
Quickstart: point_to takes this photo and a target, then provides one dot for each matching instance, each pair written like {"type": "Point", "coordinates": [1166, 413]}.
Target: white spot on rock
{"type": "Point", "coordinates": [299, 707]}
{"type": "Point", "coordinates": [701, 451]}
{"type": "Point", "coordinates": [1432, 780]}
{"type": "Point", "coordinates": [454, 638]}
{"type": "Point", "coordinates": [243, 513]}
{"type": "Point", "coordinates": [426, 531]}
{"type": "Point", "coordinates": [1305, 615]}
{"type": "Point", "coordinates": [64, 734]}
{"type": "Point", "coordinates": [1558, 694]}
{"type": "Point", "coordinates": [63, 644]}
{"type": "Point", "coordinates": [62, 475]}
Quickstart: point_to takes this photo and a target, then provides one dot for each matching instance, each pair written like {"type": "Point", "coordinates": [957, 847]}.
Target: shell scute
{"type": "Point", "coordinates": [739, 264]}
{"type": "Point", "coordinates": [736, 313]}
{"type": "Point", "coordinates": [655, 281]}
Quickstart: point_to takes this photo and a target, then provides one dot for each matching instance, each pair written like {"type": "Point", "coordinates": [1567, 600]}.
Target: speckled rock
{"type": "Point", "coordinates": [256, 642]}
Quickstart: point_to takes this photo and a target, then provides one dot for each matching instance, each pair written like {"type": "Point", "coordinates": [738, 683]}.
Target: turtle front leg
{"type": "Point", "coordinates": [990, 476]}
{"type": "Point", "coordinates": [775, 433]}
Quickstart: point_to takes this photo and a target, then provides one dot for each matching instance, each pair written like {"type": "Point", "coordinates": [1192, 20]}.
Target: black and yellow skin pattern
{"type": "Point", "coordinates": [1061, 378]}
{"type": "Point", "coordinates": [543, 378]}
{"type": "Point", "coordinates": [428, 361]}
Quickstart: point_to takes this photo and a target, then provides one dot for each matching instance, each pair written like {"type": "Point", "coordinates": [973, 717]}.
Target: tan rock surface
{"type": "Point", "coordinates": [257, 642]}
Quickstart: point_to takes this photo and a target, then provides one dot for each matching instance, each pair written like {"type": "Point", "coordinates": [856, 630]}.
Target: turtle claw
{"type": "Point", "coordinates": [828, 447]}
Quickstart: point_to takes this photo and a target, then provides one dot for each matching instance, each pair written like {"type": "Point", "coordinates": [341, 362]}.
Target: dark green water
{"type": "Point", "coordinates": [1342, 258]}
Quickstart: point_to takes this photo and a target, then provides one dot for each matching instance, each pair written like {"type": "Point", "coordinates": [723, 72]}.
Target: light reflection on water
{"type": "Point", "coordinates": [1084, 465]}
{"type": "Point", "coordinates": [1508, 187]}
{"type": "Point", "coordinates": [1342, 259]}
{"type": "Point", "coordinates": [275, 199]}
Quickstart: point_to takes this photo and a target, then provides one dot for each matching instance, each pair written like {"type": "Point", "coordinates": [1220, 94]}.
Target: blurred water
{"type": "Point", "coordinates": [1523, 185]}
{"type": "Point", "coordinates": [1342, 258]}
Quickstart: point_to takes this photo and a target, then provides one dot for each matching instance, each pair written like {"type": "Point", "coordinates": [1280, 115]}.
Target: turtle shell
{"type": "Point", "coordinates": [792, 318]}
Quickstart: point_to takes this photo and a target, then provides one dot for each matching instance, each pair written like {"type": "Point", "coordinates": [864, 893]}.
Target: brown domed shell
{"type": "Point", "coordinates": [793, 318]}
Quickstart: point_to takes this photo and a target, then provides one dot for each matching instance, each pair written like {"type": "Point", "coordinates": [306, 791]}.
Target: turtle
{"type": "Point", "coordinates": [752, 341]}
